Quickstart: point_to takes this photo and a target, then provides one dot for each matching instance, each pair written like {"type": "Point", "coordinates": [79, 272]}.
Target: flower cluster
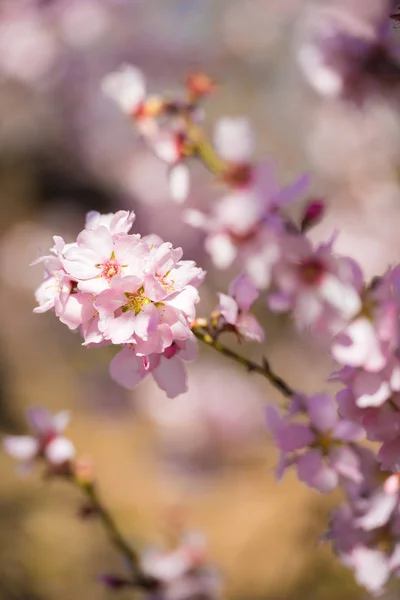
{"type": "Point", "coordinates": [46, 442]}
{"type": "Point", "coordinates": [312, 437]}
{"type": "Point", "coordinates": [368, 349]}
{"type": "Point", "coordinates": [163, 122]}
{"type": "Point", "coordinates": [121, 289]}
{"type": "Point", "coordinates": [365, 531]}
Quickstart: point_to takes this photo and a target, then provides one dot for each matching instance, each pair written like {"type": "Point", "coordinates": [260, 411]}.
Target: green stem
{"type": "Point", "coordinates": [205, 151]}
{"type": "Point", "coordinates": [264, 369]}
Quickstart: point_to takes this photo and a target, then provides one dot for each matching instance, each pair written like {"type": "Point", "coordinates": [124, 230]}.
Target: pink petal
{"type": "Point", "coordinates": [346, 463]}
{"type": "Point", "coordinates": [131, 251]}
{"type": "Point", "coordinates": [323, 78]}
{"type": "Point", "coordinates": [121, 329]}
{"type": "Point", "coordinates": [228, 308]}
{"type": "Point", "coordinates": [21, 447]}
{"type": "Point", "coordinates": [347, 431]}
{"type": "Point", "coordinates": [274, 420]}
{"type": "Point", "coordinates": [244, 291]}
{"type": "Point", "coordinates": [389, 455]}
{"type": "Point", "coordinates": [96, 285]}
{"type": "Point", "coordinates": [322, 411]}
{"type": "Point", "coordinates": [81, 264]}
{"type": "Point", "coordinates": [127, 87]}
{"type": "Point", "coordinates": [146, 321]}
{"type": "Point", "coordinates": [99, 240]}
{"type": "Point", "coordinates": [154, 289]}
{"type": "Point", "coordinates": [313, 471]}
{"type": "Point", "coordinates": [380, 509]}
{"type": "Point", "coordinates": [250, 328]}
{"type": "Point", "coordinates": [222, 250]}
{"type": "Point", "coordinates": [189, 349]}
{"type": "Point", "coordinates": [179, 182]}
{"type": "Point", "coordinates": [59, 450]}
{"type": "Point", "coordinates": [127, 369]}
{"type": "Point", "coordinates": [360, 347]}
{"type": "Point", "coordinates": [122, 221]}
{"type": "Point", "coordinates": [295, 436]}
{"type": "Point", "coordinates": [40, 420]}
{"type": "Point", "coordinates": [279, 302]}
{"type": "Point", "coordinates": [234, 139]}
{"type": "Point", "coordinates": [370, 389]}
{"type": "Point", "coordinates": [61, 420]}
{"type": "Point", "coordinates": [185, 301]}
{"type": "Point", "coordinates": [72, 312]}
{"type": "Point", "coordinates": [171, 376]}
{"type": "Point", "coordinates": [371, 568]}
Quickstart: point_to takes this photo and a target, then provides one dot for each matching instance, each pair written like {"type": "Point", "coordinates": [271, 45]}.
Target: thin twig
{"type": "Point", "coordinates": [264, 369]}
{"type": "Point", "coordinates": [90, 491]}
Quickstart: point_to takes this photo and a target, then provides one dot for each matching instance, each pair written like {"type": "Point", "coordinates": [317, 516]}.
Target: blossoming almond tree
{"type": "Point", "coordinates": [140, 295]}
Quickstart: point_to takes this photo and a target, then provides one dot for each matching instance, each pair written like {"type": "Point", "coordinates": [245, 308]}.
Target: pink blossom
{"type": "Point", "coordinates": [47, 441]}
{"type": "Point", "coordinates": [318, 449]}
{"type": "Point", "coordinates": [370, 339]}
{"type": "Point", "coordinates": [234, 309]}
{"type": "Point", "coordinates": [321, 289]}
{"type": "Point", "coordinates": [245, 223]}
{"type": "Point", "coordinates": [365, 535]}
{"type": "Point", "coordinates": [345, 53]}
{"type": "Point", "coordinates": [129, 369]}
{"type": "Point", "coordinates": [127, 87]}
{"type": "Point", "coordinates": [99, 256]}
{"type": "Point", "coordinates": [183, 571]}
{"type": "Point", "coordinates": [121, 289]}
{"type": "Point", "coordinates": [119, 222]}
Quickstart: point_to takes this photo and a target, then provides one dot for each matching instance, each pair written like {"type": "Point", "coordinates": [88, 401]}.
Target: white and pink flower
{"type": "Point", "coordinates": [122, 289]}
{"type": "Point", "coordinates": [46, 442]}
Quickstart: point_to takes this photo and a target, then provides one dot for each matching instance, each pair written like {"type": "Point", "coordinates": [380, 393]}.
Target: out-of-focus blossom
{"type": "Point", "coordinates": [365, 531]}
{"type": "Point", "coordinates": [46, 442]}
{"type": "Point", "coordinates": [234, 309]}
{"type": "Point", "coordinates": [371, 338]}
{"type": "Point", "coordinates": [319, 449]}
{"type": "Point", "coordinates": [163, 122]}
{"type": "Point", "coordinates": [344, 53]}
{"type": "Point", "coordinates": [321, 289]}
{"type": "Point", "coordinates": [245, 223]}
{"type": "Point", "coordinates": [182, 573]}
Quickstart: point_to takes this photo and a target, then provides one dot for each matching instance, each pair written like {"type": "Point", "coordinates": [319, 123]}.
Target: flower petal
{"type": "Point", "coordinates": [59, 450]}
{"type": "Point", "coordinates": [21, 447]}
{"type": "Point", "coordinates": [171, 376]}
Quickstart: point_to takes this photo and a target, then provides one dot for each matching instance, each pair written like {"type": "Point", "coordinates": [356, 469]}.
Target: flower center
{"type": "Point", "coordinates": [311, 271]}
{"type": "Point", "coordinates": [168, 284]}
{"type": "Point", "coordinates": [136, 301]}
{"type": "Point", "coordinates": [110, 268]}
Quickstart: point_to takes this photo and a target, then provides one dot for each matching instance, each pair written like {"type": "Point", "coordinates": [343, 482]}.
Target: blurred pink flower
{"type": "Point", "coordinates": [47, 441]}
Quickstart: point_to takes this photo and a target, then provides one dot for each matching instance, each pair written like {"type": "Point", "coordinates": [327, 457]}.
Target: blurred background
{"type": "Point", "coordinates": [202, 461]}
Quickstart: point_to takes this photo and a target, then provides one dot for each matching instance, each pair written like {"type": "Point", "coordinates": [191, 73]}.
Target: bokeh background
{"type": "Point", "coordinates": [202, 461]}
